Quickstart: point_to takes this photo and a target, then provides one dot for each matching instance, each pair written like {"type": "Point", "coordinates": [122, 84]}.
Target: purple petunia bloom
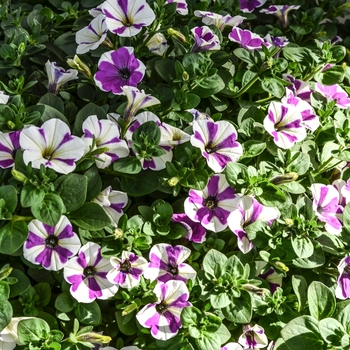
{"type": "Point", "coordinates": [163, 316]}
{"type": "Point", "coordinates": [246, 39]}
{"type": "Point", "coordinates": [217, 142]}
{"type": "Point", "coordinates": [285, 124]}
{"type": "Point", "coordinates": [219, 21]}
{"type": "Point", "coordinates": [273, 278]}
{"type": "Point", "coordinates": [206, 40]}
{"type": "Point", "coordinates": [342, 290]}
{"type": "Point", "coordinates": [212, 206]}
{"type": "Point", "coordinates": [253, 337]}
{"type": "Point", "coordinates": [87, 273]}
{"type": "Point", "coordinates": [103, 134]}
{"type": "Point", "coordinates": [278, 41]}
{"type": "Point", "coordinates": [127, 270]}
{"type": "Point", "coordinates": [281, 12]}
{"type": "Point", "coordinates": [334, 92]}
{"type": "Point", "coordinates": [181, 6]}
{"type": "Point", "coordinates": [51, 145]}
{"type": "Point", "coordinates": [326, 207]}
{"type": "Point", "coordinates": [51, 246]}
{"type": "Point", "coordinates": [167, 263]}
{"type": "Point", "coordinates": [250, 5]}
{"type": "Point", "coordinates": [127, 18]}
{"type": "Point", "coordinates": [195, 231]}
{"type": "Point", "coordinates": [249, 210]}
{"type": "Point", "coordinates": [118, 68]}
{"type": "Point", "coordinates": [9, 143]}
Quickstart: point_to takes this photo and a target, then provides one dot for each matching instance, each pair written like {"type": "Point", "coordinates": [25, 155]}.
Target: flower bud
{"type": "Point", "coordinates": [76, 63]}
{"type": "Point", "coordinates": [11, 125]}
{"type": "Point", "coordinates": [93, 337]}
{"type": "Point", "coordinates": [18, 176]}
{"type": "Point", "coordinates": [129, 309]}
{"type": "Point", "coordinates": [254, 289]}
{"type": "Point", "coordinates": [173, 181]}
{"type": "Point", "coordinates": [280, 265]}
{"type": "Point", "coordinates": [281, 179]}
{"type": "Point", "coordinates": [118, 233]}
{"type": "Point", "coordinates": [185, 76]}
{"type": "Point", "coordinates": [176, 34]}
{"type": "Point", "coordinates": [289, 222]}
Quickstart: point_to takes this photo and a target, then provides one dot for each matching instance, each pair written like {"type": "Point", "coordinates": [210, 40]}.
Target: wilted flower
{"type": "Point", "coordinates": [9, 143]}
{"type": "Point", "coordinates": [342, 290]}
{"type": "Point", "coordinates": [219, 21]}
{"type": "Point", "coordinates": [51, 246]}
{"type": "Point", "coordinates": [253, 337]}
{"type": "Point", "coordinates": [281, 12]}
{"type": "Point", "coordinates": [206, 40]}
{"type": "Point", "coordinates": [250, 5]}
{"type": "Point", "coordinates": [163, 316]}
{"type": "Point", "coordinates": [246, 39]}
{"type": "Point", "coordinates": [181, 6]}
{"type": "Point", "coordinates": [51, 145]}
{"type": "Point", "coordinates": [127, 18]}
{"type": "Point", "coordinates": [158, 45]}
{"type": "Point", "coordinates": [58, 76]}
{"type": "Point", "coordinates": [118, 68]}
{"type": "Point", "coordinates": [90, 37]}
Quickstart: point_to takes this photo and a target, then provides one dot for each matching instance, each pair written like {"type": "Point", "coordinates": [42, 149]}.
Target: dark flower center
{"type": "Point", "coordinates": [124, 73]}
{"type": "Point", "coordinates": [51, 241]}
{"type": "Point", "coordinates": [211, 202]}
{"type": "Point", "coordinates": [210, 148]}
{"type": "Point", "coordinates": [125, 266]}
{"type": "Point", "coordinates": [47, 155]}
{"type": "Point", "coordinates": [89, 271]}
{"type": "Point", "coordinates": [173, 269]}
{"type": "Point", "coordinates": [162, 307]}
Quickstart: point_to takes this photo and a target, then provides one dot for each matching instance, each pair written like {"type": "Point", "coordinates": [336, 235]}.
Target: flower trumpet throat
{"type": "Point", "coordinates": [281, 179]}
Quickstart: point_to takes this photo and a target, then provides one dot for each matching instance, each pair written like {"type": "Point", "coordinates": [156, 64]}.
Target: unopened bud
{"type": "Point", "coordinates": [18, 176]}
{"type": "Point", "coordinates": [76, 63]}
{"type": "Point", "coordinates": [118, 233]}
{"type": "Point", "coordinates": [11, 125]}
{"type": "Point", "coordinates": [176, 34]}
{"type": "Point", "coordinates": [93, 337]}
{"type": "Point", "coordinates": [173, 181]}
{"type": "Point", "coordinates": [281, 179]}
{"type": "Point", "coordinates": [289, 222]}
{"type": "Point", "coordinates": [185, 76]}
{"type": "Point", "coordinates": [280, 265]}
{"type": "Point", "coordinates": [129, 309]}
{"type": "Point", "coordinates": [254, 289]}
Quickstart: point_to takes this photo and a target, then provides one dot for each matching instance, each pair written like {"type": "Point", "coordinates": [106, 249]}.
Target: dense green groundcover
{"type": "Point", "coordinates": [210, 210]}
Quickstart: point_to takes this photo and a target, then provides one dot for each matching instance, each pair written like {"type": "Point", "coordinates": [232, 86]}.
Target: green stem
{"type": "Point", "coordinates": [22, 218]}
{"type": "Point", "coordinates": [246, 87]}
{"type": "Point", "coordinates": [266, 99]}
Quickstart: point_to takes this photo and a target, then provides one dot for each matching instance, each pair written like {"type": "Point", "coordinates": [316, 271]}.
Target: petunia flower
{"type": "Point", "coordinates": [342, 290]}
{"type": "Point", "coordinates": [300, 88]}
{"type": "Point", "coordinates": [172, 136]}
{"type": "Point", "coordinates": [118, 68]}
{"type": "Point", "coordinates": [219, 21]}
{"type": "Point", "coordinates": [326, 207]}
{"type": "Point", "coordinates": [285, 124]}
{"type": "Point", "coordinates": [57, 76]}
{"type": "Point", "coordinates": [94, 12]}
{"type": "Point", "coordinates": [9, 143]}
{"type": "Point", "coordinates": [103, 134]}
{"type": "Point", "coordinates": [127, 18]}
{"type": "Point", "coordinates": [334, 92]}
{"type": "Point", "coordinates": [246, 39]}
{"type": "Point", "coordinates": [281, 12]}
{"type": "Point", "coordinates": [217, 142]}
{"type": "Point", "coordinates": [90, 37]}
{"type": "Point", "coordinates": [51, 246]}
{"type": "Point", "coordinates": [51, 145]}
{"type": "Point", "coordinates": [112, 202]}
{"type": "Point", "coordinates": [212, 206]}
{"type": "Point", "coordinates": [205, 39]}
{"type": "Point", "coordinates": [249, 210]}
{"type": "Point", "coordinates": [250, 5]}
{"type": "Point", "coordinates": [273, 278]}
{"type": "Point", "coordinates": [167, 263]}
{"type": "Point", "coordinates": [278, 41]}
{"type": "Point", "coordinates": [158, 44]}
{"type": "Point", "coordinates": [198, 115]}
{"type": "Point", "coordinates": [343, 189]}
{"type": "Point", "coordinates": [232, 346]}
{"type": "Point", "coordinates": [253, 337]}
{"type": "Point", "coordinates": [87, 275]}
{"type": "Point", "coordinates": [181, 8]}
{"type": "Point", "coordinates": [195, 231]}
{"type": "Point", "coordinates": [9, 335]}
{"type": "Point", "coordinates": [127, 270]}
{"type": "Point", "coordinates": [3, 98]}
{"type": "Point", "coordinates": [163, 316]}
{"type": "Point", "coordinates": [136, 99]}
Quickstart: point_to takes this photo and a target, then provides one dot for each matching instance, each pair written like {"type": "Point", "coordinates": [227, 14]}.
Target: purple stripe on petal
{"type": "Point", "coordinates": [75, 280]}
{"type": "Point", "coordinates": [213, 186]}
{"type": "Point", "coordinates": [222, 215]}
{"type": "Point", "coordinates": [173, 321]}
{"type": "Point", "coordinates": [67, 232]}
{"type": "Point", "coordinates": [44, 258]}
{"type": "Point", "coordinates": [173, 254]}
{"type": "Point", "coordinates": [94, 288]}
{"type": "Point", "coordinates": [227, 193]}
{"type": "Point", "coordinates": [63, 254]}
{"type": "Point", "coordinates": [34, 240]}
{"type": "Point", "coordinates": [212, 130]}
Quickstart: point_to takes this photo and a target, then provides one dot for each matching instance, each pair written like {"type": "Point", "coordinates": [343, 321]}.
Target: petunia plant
{"type": "Point", "coordinates": [174, 174]}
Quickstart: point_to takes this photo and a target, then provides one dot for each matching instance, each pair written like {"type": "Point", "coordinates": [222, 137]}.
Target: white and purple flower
{"type": "Point", "coordinates": [163, 316]}
{"type": "Point", "coordinates": [212, 206]}
{"type": "Point", "coordinates": [249, 210]}
{"type": "Point", "coordinates": [300, 88]}
{"type": "Point", "coordinates": [181, 8]}
{"type": "Point", "coordinates": [219, 21]}
{"type": "Point", "coordinates": [250, 5]}
{"type": "Point", "coordinates": [281, 12]}
{"type": "Point", "coordinates": [9, 144]}
{"type": "Point", "coordinates": [195, 231]}
{"type": "Point", "coordinates": [127, 18]}
{"type": "Point", "coordinates": [278, 41]}
{"type": "Point", "coordinates": [217, 142]}
{"type": "Point", "coordinates": [158, 44]}
{"type": "Point", "coordinates": [246, 39]}
{"type": "Point", "coordinates": [51, 246]}
{"type": "Point", "coordinates": [127, 270]}
{"type": "Point", "coordinates": [342, 290]}
{"type": "Point", "coordinates": [57, 76]}
{"type": "Point", "coordinates": [273, 278]}
{"type": "Point", "coordinates": [326, 207]}
{"type": "Point", "coordinates": [334, 92]}
{"type": "Point", "coordinates": [167, 263]}
{"type": "Point", "coordinates": [51, 145]}
{"type": "Point", "coordinates": [103, 134]}
{"type": "Point", "coordinates": [253, 337]}
{"type": "Point", "coordinates": [232, 346]}
{"type": "Point", "coordinates": [118, 68]}
{"type": "Point", "coordinates": [87, 274]}
{"type": "Point", "coordinates": [112, 202]}
{"type": "Point", "coordinates": [90, 37]}
{"type": "Point", "coordinates": [205, 39]}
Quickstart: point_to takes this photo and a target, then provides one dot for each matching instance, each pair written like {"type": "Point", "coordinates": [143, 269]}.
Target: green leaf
{"type": "Point", "coordinates": [143, 183]}
{"type": "Point", "coordinates": [190, 315]}
{"type": "Point", "coordinates": [208, 341]}
{"type": "Point", "coordinates": [321, 300]}
{"type": "Point", "coordinates": [330, 76]}
{"type": "Point", "coordinates": [89, 314]}
{"type": "Point", "coordinates": [300, 289]}
{"type": "Point", "coordinates": [50, 210]}
{"type": "Point", "coordinates": [332, 331]}
{"type": "Point", "coordinates": [273, 86]}
{"type": "Point", "coordinates": [12, 236]}
{"type": "Point", "coordinates": [4, 289]}
{"type": "Point", "coordinates": [302, 246]}
{"type": "Point", "coordinates": [244, 55]}
{"type": "Point", "coordinates": [43, 290]}
{"type": "Point", "coordinates": [94, 185]}
{"type": "Point", "coordinates": [212, 259]}
{"type": "Point", "coordinates": [127, 328]}
{"type": "Point", "coordinates": [30, 195]}
{"type": "Point", "coordinates": [64, 302]}
{"type": "Point", "coordinates": [235, 171]}
{"type": "Point", "coordinates": [129, 165]}
{"type": "Point", "coordinates": [218, 301]}
{"type": "Point", "coordinates": [148, 132]}
{"type": "Point", "coordinates": [233, 267]}
{"type": "Point", "coordinates": [299, 163]}
{"type": "Point", "coordinates": [50, 113]}
{"type": "Point", "coordinates": [21, 285]}
{"type": "Point", "coordinates": [32, 330]}
{"type": "Point", "coordinates": [272, 196]}
{"type": "Point", "coordinates": [252, 148]}
{"type": "Point", "coordinates": [9, 194]}
{"type": "Point", "coordinates": [342, 314]}
{"type": "Point", "coordinates": [72, 189]}
{"type": "Point", "coordinates": [5, 312]}
{"type": "Point", "coordinates": [209, 86]}
{"type": "Point", "coordinates": [338, 53]}
{"type": "Point", "coordinates": [52, 101]}
{"type": "Point", "coordinates": [90, 216]}
{"type": "Point", "coordinates": [84, 113]}
{"type": "Point", "coordinates": [240, 309]}
{"type": "Point", "coordinates": [166, 69]}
